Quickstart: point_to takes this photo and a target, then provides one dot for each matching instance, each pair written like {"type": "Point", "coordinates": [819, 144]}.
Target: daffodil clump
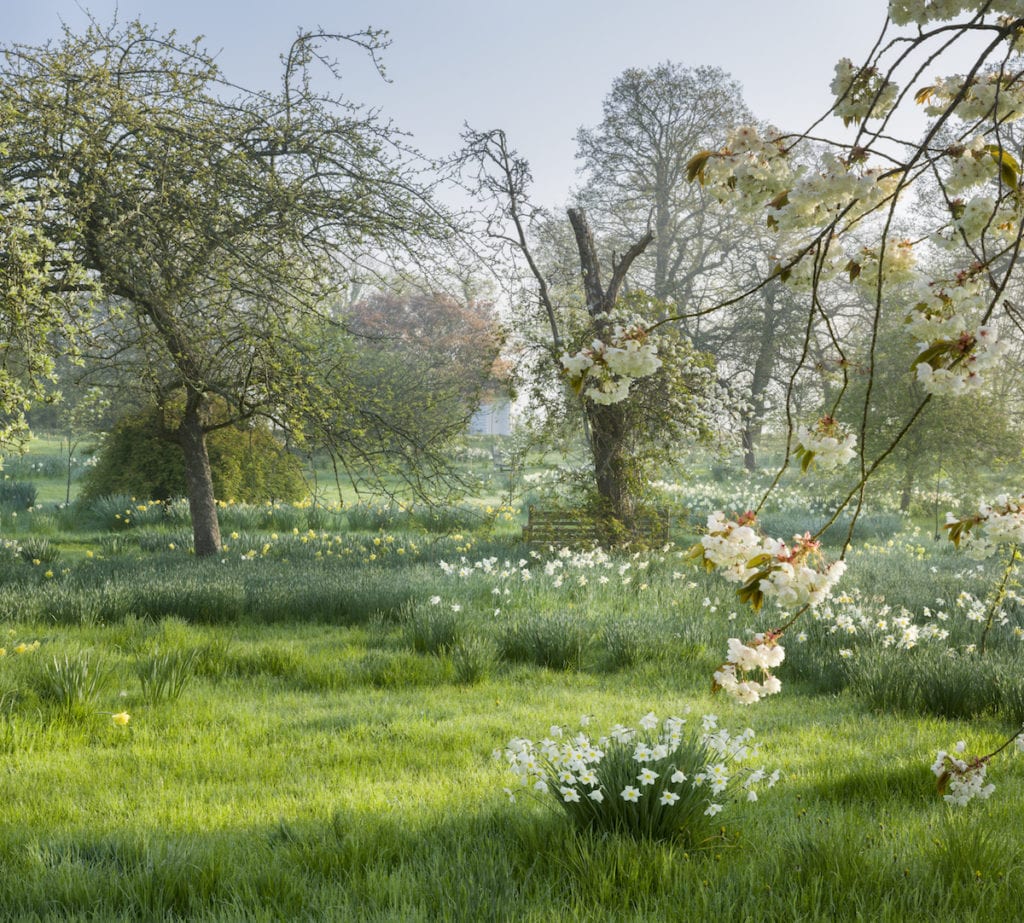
{"type": "Point", "coordinates": [22, 647]}
{"type": "Point", "coordinates": [664, 780]}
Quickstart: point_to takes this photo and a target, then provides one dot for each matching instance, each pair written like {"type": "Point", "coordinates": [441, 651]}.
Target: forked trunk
{"type": "Point", "coordinates": [202, 503]}
{"type": "Point", "coordinates": [613, 468]}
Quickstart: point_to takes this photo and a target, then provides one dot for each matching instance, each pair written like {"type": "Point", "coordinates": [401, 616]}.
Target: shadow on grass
{"type": "Point", "coordinates": [911, 784]}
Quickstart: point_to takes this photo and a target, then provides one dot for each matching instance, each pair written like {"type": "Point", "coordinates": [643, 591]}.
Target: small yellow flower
{"type": "Point", "coordinates": [88, 554]}
{"type": "Point", "coordinates": [3, 651]}
{"type": "Point", "coordinates": [121, 718]}
{"type": "Point", "coordinates": [171, 546]}
{"type": "Point", "coordinates": [48, 575]}
{"type": "Point", "coordinates": [21, 648]}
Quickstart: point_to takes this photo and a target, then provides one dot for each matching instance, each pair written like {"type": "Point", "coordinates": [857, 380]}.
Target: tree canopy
{"type": "Point", "coordinates": [218, 223]}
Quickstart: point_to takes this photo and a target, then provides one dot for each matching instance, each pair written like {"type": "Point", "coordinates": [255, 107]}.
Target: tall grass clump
{"type": "Point", "coordinates": [444, 519]}
{"type": "Point", "coordinates": [629, 641]}
{"type": "Point", "coordinates": [432, 628]}
{"type": "Point", "coordinates": [119, 512]}
{"type": "Point", "coordinates": [965, 686]}
{"type": "Point", "coordinates": [322, 518]}
{"type": "Point", "coordinates": [36, 550]}
{"type": "Point", "coordinates": [557, 641]}
{"type": "Point", "coordinates": [473, 659]}
{"type": "Point", "coordinates": [164, 676]}
{"type": "Point", "coordinates": [375, 517]}
{"type": "Point", "coordinates": [73, 682]}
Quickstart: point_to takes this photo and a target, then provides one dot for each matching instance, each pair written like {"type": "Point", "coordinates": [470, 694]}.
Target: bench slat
{"type": "Point", "coordinates": [559, 527]}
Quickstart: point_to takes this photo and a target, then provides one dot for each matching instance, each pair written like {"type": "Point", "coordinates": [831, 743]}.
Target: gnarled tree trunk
{"type": "Point", "coordinates": [607, 423]}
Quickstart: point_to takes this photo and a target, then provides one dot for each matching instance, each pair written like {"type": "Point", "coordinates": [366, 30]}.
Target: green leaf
{"type": "Point", "coordinates": [933, 354]}
{"type": "Point", "coordinates": [696, 166]}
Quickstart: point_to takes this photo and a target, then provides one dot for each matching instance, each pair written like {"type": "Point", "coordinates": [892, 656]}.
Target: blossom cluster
{"type": "Point", "coordinates": [961, 780]}
{"type": "Point", "coordinates": [729, 545]}
{"type": "Point", "coordinates": [956, 366]}
{"type": "Point", "coordinates": [971, 163]}
{"type": "Point", "coordinates": [766, 567]}
{"type": "Point", "coordinates": [861, 93]}
{"type": "Point", "coordinates": [827, 445]}
{"type": "Point", "coordinates": [604, 371]}
{"type": "Point", "coordinates": [993, 96]}
{"type": "Point", "coordinates": [896, 262]}
{"type": "Point", "coordinates": [998, 523]}
{"type": "Point", "coordinates": [757, 176]}
{"type": "Point", "coordinates": [656, 779]}
{"type": "Point", "coordinates": [762, 655]}
{"type": "Point", "coordinates": [920, 12]}
{"type": "Point", "coordinates": [794, 578]}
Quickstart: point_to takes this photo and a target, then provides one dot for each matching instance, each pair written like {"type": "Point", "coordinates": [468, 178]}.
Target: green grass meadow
{"type": "Point", "coordinates": [313, 716]}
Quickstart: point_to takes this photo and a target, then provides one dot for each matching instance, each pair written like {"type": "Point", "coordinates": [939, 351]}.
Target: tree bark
{"type": "Point", "coordinates": [907, 488]}
{"type": "Point", "coordinates": [763, 366]}
{"type": "Point", "coordinates": [608, 423]}
{"type": "Point", "coordinates": [202, 503]}
{"type": "Point", "coordinates": [612, 467]}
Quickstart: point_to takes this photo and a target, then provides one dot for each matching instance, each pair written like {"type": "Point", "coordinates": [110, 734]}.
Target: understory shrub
{"type": "Point", "coordinates": [141, 458]}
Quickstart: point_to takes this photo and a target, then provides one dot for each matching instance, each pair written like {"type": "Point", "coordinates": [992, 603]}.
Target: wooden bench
{"type": "Point", "coordinates": [575, 527]}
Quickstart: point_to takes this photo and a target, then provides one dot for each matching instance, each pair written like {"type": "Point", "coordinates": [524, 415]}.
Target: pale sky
{"type": "Point", "coordinates": [537, 68]}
